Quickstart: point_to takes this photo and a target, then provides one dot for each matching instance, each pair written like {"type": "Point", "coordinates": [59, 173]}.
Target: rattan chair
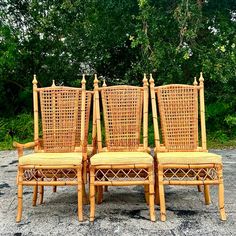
{"type": "Point", "coordinates": [182, 159]}
{"type": "Point", "coordinates": [56, 162]}
{"type": "Point", "coordinates": [124, 160]}
{"type": "Point", "coordinates": [91, 149]}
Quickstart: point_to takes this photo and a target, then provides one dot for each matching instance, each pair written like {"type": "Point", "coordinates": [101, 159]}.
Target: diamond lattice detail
{"type": "Point", "coordinates": [49, 175]}
{"type": "Point", "coordinates": [121, 174]}
{"type": "Point", "coordinates": [190, 174]}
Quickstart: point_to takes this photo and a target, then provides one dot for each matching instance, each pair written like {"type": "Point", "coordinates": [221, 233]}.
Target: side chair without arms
{"type": "Point", "coordinates": [56, 163]}
{"type": "Point", "coordinates": [179, 158]}
{"type": "Point", "coordinates": [125, 160]}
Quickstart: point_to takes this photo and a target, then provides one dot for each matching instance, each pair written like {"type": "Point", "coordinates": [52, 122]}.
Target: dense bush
{"type": "Point", "coordinates": [119, 40]}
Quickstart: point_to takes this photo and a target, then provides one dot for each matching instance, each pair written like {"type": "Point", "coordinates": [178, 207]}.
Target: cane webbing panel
{"type": "Point", "coordinates": [87, 113]}
{"type": "Point", "coordinates": [178, 108]}
{"type": "Point", "coordinates": [122, 107]}
{"type": "Point", "coordinates": [59, 111]}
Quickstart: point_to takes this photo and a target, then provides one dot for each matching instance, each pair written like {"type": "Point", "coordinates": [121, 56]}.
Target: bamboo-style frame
{"type": "Point", "coordinates": [113, 175]}
{"type": "Point", "coordinates": [185, 173]}
{"type": "Point", "coordinates": [54, 174]}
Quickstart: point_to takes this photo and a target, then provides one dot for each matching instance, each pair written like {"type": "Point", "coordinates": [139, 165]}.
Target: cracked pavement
{"type": "Point", "coordinates": [123, 211]}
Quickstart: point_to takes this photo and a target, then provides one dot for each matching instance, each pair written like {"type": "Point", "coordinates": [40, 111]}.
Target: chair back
{"type": "Point", "coordinates": [178, 109]}
{"type": "Point", "coordinates": [64, 117]}
{"type": "Point", "coordinates": [123, 113]}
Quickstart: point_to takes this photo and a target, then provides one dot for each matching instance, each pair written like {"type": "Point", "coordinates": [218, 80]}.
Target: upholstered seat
{"type": "Point", "coordinates": [123, 158]}
{"type": "Point", "coordinates": [64, 117]}
{"type": "Point", "coordinates": [113, 158]}
{"type": "Point", "coordinates": [188, 158]}
{"type": "Point", "coordinates": [69, 158]}
{"type": "Point", "coordinates": [181, 146]}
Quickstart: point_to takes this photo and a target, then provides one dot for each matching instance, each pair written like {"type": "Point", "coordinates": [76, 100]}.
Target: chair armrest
{"type": "Point", "coordinates": [24, 145]}
{"type": "Point", "coordinates": [20, 147]}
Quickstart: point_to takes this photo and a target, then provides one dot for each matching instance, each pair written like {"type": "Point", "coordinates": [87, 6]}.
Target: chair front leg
{"type": "Point", "coordinates": [221, 194]}
{"type": "Point", "coordinates": [92, 195]}
{"type": "Point", "coordinates": [151, 195]}
{"type": "Point", "coordinates": [19, 195]}
{"type": "Point", "coordinates": [80, 194]}
{"type": "Point", "coordinates": [161, 194]}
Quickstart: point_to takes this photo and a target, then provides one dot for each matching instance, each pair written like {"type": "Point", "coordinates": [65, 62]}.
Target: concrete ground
{"type": "Point", "coordinates": [123, 211]}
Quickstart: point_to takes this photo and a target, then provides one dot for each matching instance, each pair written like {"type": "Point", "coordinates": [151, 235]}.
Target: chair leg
{"type": "Point", "coordinates": [20, 196]}
{"type": "Point", "coordinates": [221, 195]}
{"type": "Point", "coordinates": [199, 188]}
{"type": "Point", "coordinates": [92, 195]}
{"type": "Point", "coordinates": [146, 192]}
{"type": "Point", "coordinates": [41, 193]}
{"type": "Point", "coordinates": [99, 194]}
{"type": "Point", "coordinates": [85, 197]}
{"type": "Point", "coordinates": [35, 194]}
{"type": "Point", "coordinates": [54, 189]}
{"type": "Point", "coordinates": [157, 198]}
{"type": "Point", "coordinates": [207, 194]}
{"type": "Point", "coordinates": [106, 188]}
{"type": "Point", "coordinates": [80, 195]}
{"type": "Point", "coordinates": [151, 195]}
{"type": "Point", "coordinates": [161, 195]}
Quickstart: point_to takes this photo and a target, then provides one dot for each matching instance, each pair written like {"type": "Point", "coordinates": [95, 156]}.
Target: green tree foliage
{"type": "Point", "coordinates": [120, 40]}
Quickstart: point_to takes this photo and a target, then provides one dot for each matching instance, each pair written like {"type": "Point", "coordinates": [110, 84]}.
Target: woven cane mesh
{"type": "Point", "coordinates": [178, 107]}
{"type": "Point", "coordinates": [122, 107]}
{"type": "Point", "coordinates": [87, 113]}
{"type": "Point", "coordinates": [59, 110]}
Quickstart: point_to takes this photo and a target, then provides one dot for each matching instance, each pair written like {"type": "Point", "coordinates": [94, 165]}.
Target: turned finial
{"type": "Point", "coordinates": [34, 82]}
{"type": "Point", "coordinates": [53, 83]}
{"type": "Point", "coordinates": [83, 82]}
{"type": "Point", "coordinates": [145, 81]}
{"type": "Point", "coordinates": [195, 81]}
{"type": "Point", "coordinates": [151, 81]}
{"type": "Point", "coordinates": [104, 83]}
{"type": "Point", "coordinates": [95, 82]}
{"type": "Point", "coordinates": [201, 79]}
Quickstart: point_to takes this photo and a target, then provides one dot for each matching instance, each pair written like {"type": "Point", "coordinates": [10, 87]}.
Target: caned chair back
{"type": "Point", "coordinates": [125, 111]}
{"type": "Point", "coordinates": [59, 112]}
{"type": "Point", "coordinates": [64, 117]}
{"type": "Point", "coordinates": [178, 109]}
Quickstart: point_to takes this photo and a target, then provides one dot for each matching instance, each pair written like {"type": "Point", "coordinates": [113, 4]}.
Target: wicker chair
{"type": "Point", "coordinates": [91, 149]}
{"type": "Point", "coordinates": [180, 159]}
{"type": "Point", "coordinates": [56, 163]}
{"type": "Point", "coordinates": [124, 161]}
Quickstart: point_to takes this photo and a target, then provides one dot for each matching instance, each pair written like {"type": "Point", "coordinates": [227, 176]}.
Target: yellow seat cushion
{"type": "Point", "coordinates": [188, 158]}
{"type": "Point", "coordinates": [50, 159]}
{"type": "Point", "coordinates": [112, 158]}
